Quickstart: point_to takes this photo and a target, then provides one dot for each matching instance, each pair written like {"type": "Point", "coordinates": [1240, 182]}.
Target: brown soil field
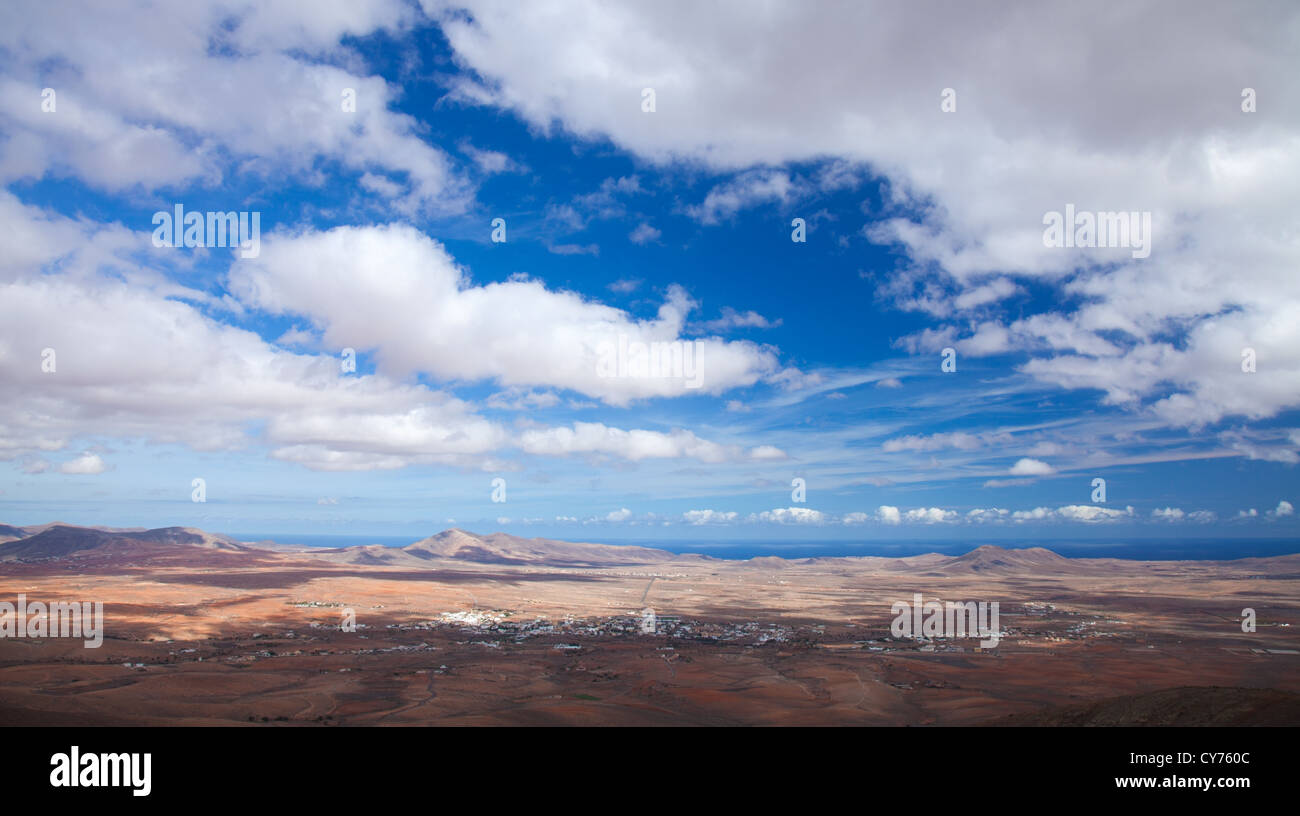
{"type": "Point", "coordinates": [210, 642]}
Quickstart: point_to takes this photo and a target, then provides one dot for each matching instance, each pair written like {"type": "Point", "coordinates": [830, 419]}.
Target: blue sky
{"type": "Point", "coordinates": [819, 360]}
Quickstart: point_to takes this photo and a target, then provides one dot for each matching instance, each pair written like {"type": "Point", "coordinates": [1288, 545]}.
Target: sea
{"type": "Point", "coordinates": [1137, 549]}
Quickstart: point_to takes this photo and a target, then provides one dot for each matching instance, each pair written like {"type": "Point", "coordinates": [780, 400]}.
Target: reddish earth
{"type": "Point", "coordinates": [225, 635]}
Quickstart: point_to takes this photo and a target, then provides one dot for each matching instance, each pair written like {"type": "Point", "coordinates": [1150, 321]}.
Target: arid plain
{"type": "Point", "coordinates": [465, 629]}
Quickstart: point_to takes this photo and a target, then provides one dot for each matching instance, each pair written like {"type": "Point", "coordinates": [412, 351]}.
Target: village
{"type": "Point", "coordinates": [1038, 625]}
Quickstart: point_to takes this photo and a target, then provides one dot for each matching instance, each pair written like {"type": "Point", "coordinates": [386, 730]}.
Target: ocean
{"type": "Point", "coordinates": [1138, 549]}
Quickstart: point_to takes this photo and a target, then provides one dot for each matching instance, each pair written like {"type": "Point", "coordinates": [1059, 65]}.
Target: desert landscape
{"type": "Point", "coordinates": [466, 629]}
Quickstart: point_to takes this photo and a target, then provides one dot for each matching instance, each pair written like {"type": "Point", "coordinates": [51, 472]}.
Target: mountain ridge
{"type": "Point", "coordinates": [456, 545]}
